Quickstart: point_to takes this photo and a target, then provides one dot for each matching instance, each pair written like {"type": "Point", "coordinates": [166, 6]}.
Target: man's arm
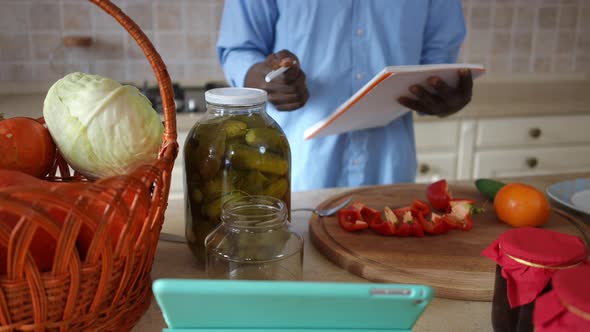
{"type": "Point", "coordinates": [444, 32]}
{"type": "Point", "coordinates": [245, 45]}
{"type": "Point", "coordinates": [443, 35]}
{"type": "Point", "coordinates": [246, 36]}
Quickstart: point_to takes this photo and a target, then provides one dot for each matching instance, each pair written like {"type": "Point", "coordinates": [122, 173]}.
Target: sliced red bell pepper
{"type": "Point", "coordinates": [435, 225]}
{"type": "Point", "coordinates": [421, 207]}
{"type": "Point", "coordinates": [409, 225]}
{"type": "Point", "coordinates": [371, 216]}
{"type": "Point", "coordinates": [356, 206]}
{"type": "Point", "coordinates": [438, 195]}
{"type": "Point", "coordinates": [386, 226]}
{"type": "Point", "coordinates": [365, 213]}
{"type": "Point", "coordinates": [349, 222]}
{"type": "Point", "coordinates": [460, 215]}
{"type": "Point", "coordinates": [462, 206]}
{"type": "Point", "coordinates": [455, 223]}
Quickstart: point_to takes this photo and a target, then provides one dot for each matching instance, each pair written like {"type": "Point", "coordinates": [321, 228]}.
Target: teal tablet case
{"type": "Point", "coordinates": [190, 305]}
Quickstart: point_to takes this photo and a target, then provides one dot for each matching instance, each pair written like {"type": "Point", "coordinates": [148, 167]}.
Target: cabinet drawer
{"type": "Point", "coordinates": [533, 130]}
{"type": "Point", "coordinates": [435, 166]}
{"type": "Point", "coordinates": [506, 163]}
{"type": "Point", "coordinates": [436, 135]}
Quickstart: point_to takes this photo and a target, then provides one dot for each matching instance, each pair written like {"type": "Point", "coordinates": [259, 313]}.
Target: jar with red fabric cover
{"type": "Point", "coordinates": [567, 306]}
{"type": "Point", "coordinates": [527, 258]}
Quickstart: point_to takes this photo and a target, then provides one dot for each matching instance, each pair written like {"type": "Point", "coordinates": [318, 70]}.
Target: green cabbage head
{"type": "Point", "coordinates": [101, 127]}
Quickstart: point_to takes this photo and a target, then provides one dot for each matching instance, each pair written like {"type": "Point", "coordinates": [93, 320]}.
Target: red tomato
{"type": "Point", "coordinates": [26, 146]}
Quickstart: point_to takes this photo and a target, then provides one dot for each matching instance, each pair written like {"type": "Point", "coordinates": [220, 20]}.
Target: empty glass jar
{"type": "Point", "coordinates": [254, 242]}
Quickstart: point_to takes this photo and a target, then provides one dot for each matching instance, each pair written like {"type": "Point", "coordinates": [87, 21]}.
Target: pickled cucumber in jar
{"type": "Point", "coordinates": [237, 150]}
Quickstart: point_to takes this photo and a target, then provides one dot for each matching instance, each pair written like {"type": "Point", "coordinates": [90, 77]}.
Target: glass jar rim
{"type": "Point", "coordinates": [254, 212]}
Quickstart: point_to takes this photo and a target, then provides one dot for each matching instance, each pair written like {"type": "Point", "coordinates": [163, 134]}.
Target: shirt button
{"type": "Point", "coordinates": [360, 32]}
{"type": "Point", "coordinates": [359, 76]}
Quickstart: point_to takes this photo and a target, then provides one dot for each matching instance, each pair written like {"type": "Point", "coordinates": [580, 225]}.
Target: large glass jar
{"type": "Point", "coordinates": [236, 150]}
{"type": "Point", "coordinates": [254, 242]}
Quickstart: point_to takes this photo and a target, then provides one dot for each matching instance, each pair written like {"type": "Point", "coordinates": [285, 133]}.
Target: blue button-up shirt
{"type": "Point", "coordinates": [341, 45]}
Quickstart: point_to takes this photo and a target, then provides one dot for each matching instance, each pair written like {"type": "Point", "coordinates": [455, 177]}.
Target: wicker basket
{"type": "Point", "coordinates": [108, 288]}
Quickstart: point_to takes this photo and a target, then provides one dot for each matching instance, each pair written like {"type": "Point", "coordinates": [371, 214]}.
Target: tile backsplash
{"type": "Point", "coordinates": [535, 36]}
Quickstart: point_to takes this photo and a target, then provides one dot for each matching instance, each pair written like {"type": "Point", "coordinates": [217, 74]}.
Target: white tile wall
{"type": "Point", "coordinates": [505, 35]}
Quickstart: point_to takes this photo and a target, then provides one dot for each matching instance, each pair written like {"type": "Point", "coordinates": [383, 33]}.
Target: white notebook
{"type": "Point", "coordinates": [376, 105]}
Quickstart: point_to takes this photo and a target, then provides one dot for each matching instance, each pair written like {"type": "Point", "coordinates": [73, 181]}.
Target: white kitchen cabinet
{"type": "Point", "coordinates": [436, 145]}
{"type": "Point", "coordinates": [533, 131]}
{"type": "Point", "coordinates": [435, 166]}
{"type": "Point", "coordinates": [516, 146]}
{"type": "Point", "coordinates": [532, 161]}
{"type": "Point", "coordinates": [469, 148]}
{"type": "Point", "coordinates": [436, 136]}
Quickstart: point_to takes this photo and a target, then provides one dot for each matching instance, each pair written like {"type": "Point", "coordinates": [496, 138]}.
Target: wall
{"type": "Point", "coordinates": [183, 31]}
{"type": "Point", "coordinates": [506, 35]}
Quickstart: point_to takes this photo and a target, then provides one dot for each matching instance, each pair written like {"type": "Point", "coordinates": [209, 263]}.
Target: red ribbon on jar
{"type": "Point", "coordinates": [567, 306]}
{"type": "Point", "coordinates": [530, 256]}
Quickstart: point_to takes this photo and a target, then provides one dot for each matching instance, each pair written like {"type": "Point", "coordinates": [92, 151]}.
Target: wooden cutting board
{"type": "Point", "coordinates": [450, 263]}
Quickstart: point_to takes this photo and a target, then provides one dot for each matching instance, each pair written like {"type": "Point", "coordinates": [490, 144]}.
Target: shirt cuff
{"type": "Point", "coordinates": [237, 64]}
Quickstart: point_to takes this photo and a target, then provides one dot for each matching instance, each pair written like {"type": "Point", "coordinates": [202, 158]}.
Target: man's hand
{"type": "Point", "coordinates": [445, 101]}
{"type": "Point", "coordinates": [288, 91]}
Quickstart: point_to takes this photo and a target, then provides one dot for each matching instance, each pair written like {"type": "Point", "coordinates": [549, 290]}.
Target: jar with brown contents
{"type": "Point", "coordinates": [237, 150]}
{"type": "Point", "coordinates": [526, 260]}
{"type": "Point", "coordinates": [567, 306]}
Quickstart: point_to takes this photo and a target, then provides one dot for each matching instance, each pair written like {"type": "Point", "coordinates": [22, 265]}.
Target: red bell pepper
{"type": "Point", "coordinates": [460, 215]}
{"type": "Point", "coordinates": [409, 224]}
{"type": "Point", "coordinates": [371, 216]}
{"type": "Point", "coordinates": [385, 226]}
{"type": "Point", "coordinates": [453, 222]}
{"type": "Point", "coordinates": [349, 222]}
{"type": "Point", "coordinates": [421, 207]}
{"type": "Point", "coordinates": [438, 195]}
{"type": "Point", "coordinates": [435, 225]}
{"type": "Point", "coordinates": [357, 207]}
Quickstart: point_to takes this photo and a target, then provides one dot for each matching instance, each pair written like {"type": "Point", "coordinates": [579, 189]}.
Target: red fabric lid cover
{"type": "Point", "coordinates": [543, 246]}
{"type": "Point", "coordinates": [567, 306]}
{"type": "Point", "coordinates": [533, 246]}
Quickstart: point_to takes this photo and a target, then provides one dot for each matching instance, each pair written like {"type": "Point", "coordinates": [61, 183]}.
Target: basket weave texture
{"type": "Point", "coordinates": [108, 287]}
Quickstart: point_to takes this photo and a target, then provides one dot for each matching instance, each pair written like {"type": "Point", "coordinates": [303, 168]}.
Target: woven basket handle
{"type": "Point", "coordinates": [169, 144]}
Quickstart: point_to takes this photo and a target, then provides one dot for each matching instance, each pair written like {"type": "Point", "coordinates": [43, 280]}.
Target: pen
{"type": "Point", "coordinates": [275, 73]}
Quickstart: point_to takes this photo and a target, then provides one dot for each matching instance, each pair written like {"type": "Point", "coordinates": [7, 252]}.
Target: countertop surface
{"type": "Point", "coordinates": [174, 260]}
{"type": "Point", "coordinates": [493, 96]}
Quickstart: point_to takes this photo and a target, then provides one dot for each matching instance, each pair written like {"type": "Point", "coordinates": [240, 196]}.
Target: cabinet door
{"type": "Point", "coordinates": [533, 131]}
{"type": "Point", "coordinates": [532, 161]}
{"type": "Point", "coordinates": [437, 135]}
{"type": "Point", "coordinates": [436, 166]}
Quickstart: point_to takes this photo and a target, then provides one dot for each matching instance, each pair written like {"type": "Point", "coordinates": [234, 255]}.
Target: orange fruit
{"type": "Point", "coordinates": [521, 205]}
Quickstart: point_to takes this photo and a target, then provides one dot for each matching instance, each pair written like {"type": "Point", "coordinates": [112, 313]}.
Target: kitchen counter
{"type": "Point", "coordinates": [493, 96]}
{"type": "Point", "coordinates": [174, 260]}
